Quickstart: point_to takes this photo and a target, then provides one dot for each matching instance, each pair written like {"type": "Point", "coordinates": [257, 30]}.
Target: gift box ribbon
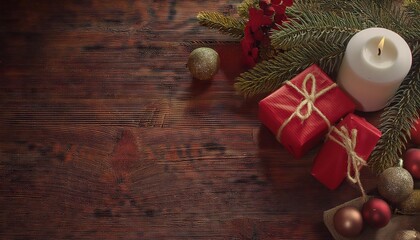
{"type": "Point", "coordinates": [348, 141]}
{"type": "Point", "coordinates": [308, 102]}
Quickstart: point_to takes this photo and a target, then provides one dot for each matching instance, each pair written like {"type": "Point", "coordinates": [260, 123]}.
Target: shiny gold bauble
{"type": "Point", "coordinates": [407, 235]}
{"type": "Point", "coordinates": [203, 63]}
{"type": "Point", "coordinates": [411, 205]}
{"type": "Point", "coordinates": [395, 184]}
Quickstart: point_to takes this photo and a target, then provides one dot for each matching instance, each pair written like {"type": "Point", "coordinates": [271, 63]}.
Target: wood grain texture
{"type": "Point", "coordinates": [104, 135]}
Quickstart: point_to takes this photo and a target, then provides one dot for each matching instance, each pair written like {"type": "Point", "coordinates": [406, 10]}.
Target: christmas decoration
{"type": "Point", "coordinates": [348, 221]}
{"type": "Point", "coordinates": [203, 63]}
{"type": "Point", "coordinates": [397, 222]}
{"type": "Point", "coordinates": [395, 184]}
{"type": "Point", "coordinates": [318, 32]}
{"type": "Point", "coordinates": [313, 104]}
{"type": "Point", "coordinates": [368, 59]}
{"type": "Point", "coordinates": [407, 235]}
{"type": "Point", "coordinates": [257, 19]}
{"type": "Point", "coordinates": [412, 162]}
{"type": "Point", "coordinates": [415, 132]}
{"type": "Point", "coordinates": [410, 205]}
{"type": "Point", "coordinates": [256, 31]}
{"type": "Point", "coordinates": [376, 212]}
{"type": "Point", "coordinates": [350, 143]}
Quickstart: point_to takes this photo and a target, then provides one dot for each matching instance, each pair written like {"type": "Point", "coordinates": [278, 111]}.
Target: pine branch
{"type": "Point", "coordinates": [339, 6]}
{"type": "Point", "coordinates": [244, 6]}
{"type": "Point", "coordinates": [381, 13]}
{"type": "Point", "coordinates": [332, 6]}
{"type": "Point", "coordinates": [412, 8]}
{"type": "Point", "coordinates": [225, 24]}
{"type": "Point", "coordinates": [267, 76]}
{"type": "Point", "coordinates": [318, 26]}
{"type": "Point", "coordinates": [386, 14]}
{"type": "Point", "coordinates": [397, 119]}
{"type": "Point", "coordinates": [300, 6]}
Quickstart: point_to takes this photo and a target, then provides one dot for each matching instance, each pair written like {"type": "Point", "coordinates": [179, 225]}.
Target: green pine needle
{"type": "Point", "coordinates": [225, 24]}
{"type": "Point", "coordinates": [318, 26]}
{"type": "Point", "coordinates": [243, 8]}
{"type": "Point", "coordinates": [412, 7]}
{"type": "Point", "coordinates": [267, 76]}
{"type": "Point", "coordinates": [388, 15]}
{"type": "Point", "coordinates": [397, 119]}
{"type": "Point", "coordinates": [300, 6]}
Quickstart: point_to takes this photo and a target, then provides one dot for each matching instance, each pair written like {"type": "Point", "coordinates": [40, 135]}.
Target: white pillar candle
{"type": "Point", "coordinates": [371, 73]}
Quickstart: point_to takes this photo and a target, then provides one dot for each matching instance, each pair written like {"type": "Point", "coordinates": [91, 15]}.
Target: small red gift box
{"type": "Point", "coordinates": [302, 110]}
{"type": "Point", "coordinates": [347, 147]}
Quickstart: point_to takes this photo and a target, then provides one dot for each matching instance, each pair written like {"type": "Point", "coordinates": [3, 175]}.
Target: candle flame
{"type": "Point", "coordinates": [381, 46]}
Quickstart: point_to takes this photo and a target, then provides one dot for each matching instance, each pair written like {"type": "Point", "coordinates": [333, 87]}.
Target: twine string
{"type": "Point", "coordinates": [308, 102]}
{"type": "Point", "coordinates": [348, 141]}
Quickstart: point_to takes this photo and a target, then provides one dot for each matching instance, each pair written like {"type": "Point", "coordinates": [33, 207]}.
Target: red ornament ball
{"type": "Point", "coordinates": [348, 221]}
{"type": "Point", "coordinates": [376, 212]}
{"type": "Point", "coordinates": [415, 132]}
{"type": "Point", "coordinates": [412, 162]}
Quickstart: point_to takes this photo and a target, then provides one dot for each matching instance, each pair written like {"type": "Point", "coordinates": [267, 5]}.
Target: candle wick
{"type": "Point", "coordinates": [379, 52]}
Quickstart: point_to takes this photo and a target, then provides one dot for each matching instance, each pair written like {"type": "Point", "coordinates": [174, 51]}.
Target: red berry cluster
{"type": "Point", "coordinates": [275, 9]}
{"type": "Point", "coordinates": [261, 20]}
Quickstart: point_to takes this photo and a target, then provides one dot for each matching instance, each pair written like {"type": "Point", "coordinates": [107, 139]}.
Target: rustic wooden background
{"type": "Point", "coordinates": [104, 135]}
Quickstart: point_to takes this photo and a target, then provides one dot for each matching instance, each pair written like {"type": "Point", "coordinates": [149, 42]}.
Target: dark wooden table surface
{"type": "Point", "coordinates": [104, 135]}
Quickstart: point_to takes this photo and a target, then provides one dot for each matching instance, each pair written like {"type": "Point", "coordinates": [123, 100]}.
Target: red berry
{"type": "Point", "coordinates": [269, 11]}
{"type": "Point", "coordinates": [264, 4]}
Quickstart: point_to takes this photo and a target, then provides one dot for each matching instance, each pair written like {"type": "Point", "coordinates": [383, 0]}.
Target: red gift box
{"type": "Point", "coordinates": [353, 139]}
{"type": "Point", "coordinates": [302, 110]}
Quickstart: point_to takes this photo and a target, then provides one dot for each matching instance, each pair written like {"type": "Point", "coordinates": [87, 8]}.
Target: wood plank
{"type": "Point", "coordinates": [104, 135]}
{"type": "Point", "coordinates": [133, 178]}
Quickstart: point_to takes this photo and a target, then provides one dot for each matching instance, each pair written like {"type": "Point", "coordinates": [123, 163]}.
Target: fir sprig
{"type": "Point", "coordinates": [244, 6]}
{"type": "Point", "coordinates": [267, 76]}
{"type": "Point", "coordinates": [226, 24]}
{"type": "Point", "coordinates": [299, 7]}
{"type": "Point", "coordinates": [397, 119]}
{"type": "Point", "coordinates": [316, 26]}
{"type": "Point", "coordinates": [386, 14]}
{"type": "Point", "coordinates": [412, 7]}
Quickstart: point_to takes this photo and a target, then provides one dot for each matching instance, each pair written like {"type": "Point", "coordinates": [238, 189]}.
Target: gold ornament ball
{"type": "Point", "coordinates": [411, 205]}
{"type": "Point", "coordinates": [203, 63]}
{"type": "Point", "coordinates": [407, 235]}
{"type": "Point", "coordinates": [395, 184]}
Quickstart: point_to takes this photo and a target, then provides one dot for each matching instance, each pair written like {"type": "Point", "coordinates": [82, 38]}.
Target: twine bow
{"type": "Point", "coordinates": [307, 103]}
{"type": "Point", "coordinates": [348, 141]}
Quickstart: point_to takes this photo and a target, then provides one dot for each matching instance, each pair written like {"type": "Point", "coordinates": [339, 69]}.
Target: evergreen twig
{"type": "Point", "coordinates": [267, 76]}
{"type": "Point", "coordinates": [326, 27]}
{"type": "Point", "coordinates": [226, 24]}
{"type": "Point", "coordinates": [300, 6]}
{"type": "Point", "coordinates": [243, 8]}
{"type": "Point", "coordinates": [412, 8]}
{"type": "Point", "coordinates": [397, 119]}
{"type": "Point", "coordinates": [388, 15]}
